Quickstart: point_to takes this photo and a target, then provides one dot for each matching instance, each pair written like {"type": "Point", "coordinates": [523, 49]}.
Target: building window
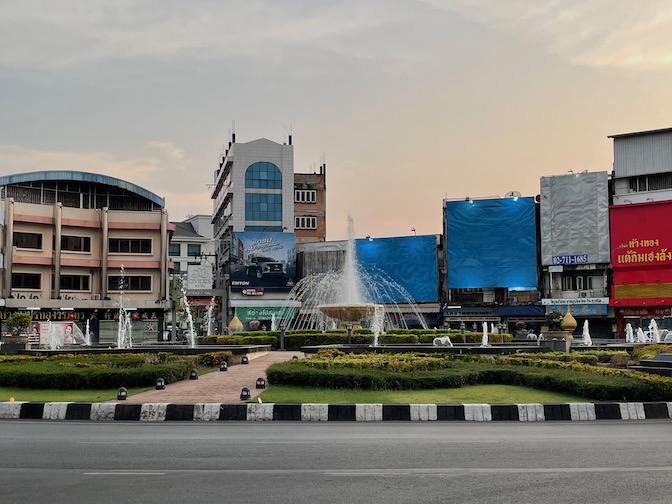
{"type": "Point", "coordinates": [303, 196]}
{"type": "Point", "coordinates": [579, 283]}
{"type": "Point", "coordinates": [130, 283]}
{"type": "Point", "coordinates": [193, 249]}
{"type": "Point", "coordinates": [263, 176]}
{"type": "Point", "coordinates": [28, 240]}
{"type": "Point", "coordinates": [76, 243]}
{"type": "Point", "coordinates": [263, 207]}
{"type": "Point", "coordinates": [305, 222]}
{"type": "Point", "coordinates": [130, 246]}
{"type": "Point", "coordinates": [174, 250]}
{"type": "Point", "coordinates": [26, 281]}
{"type": "Point", "coordinates": [176, 267]}
{"type": "Point", "coordinates": [589, 283]}
{"type": "Point", "coordinates": [567, 283]}
{"type": "Point", "coordinates": [75, 282]}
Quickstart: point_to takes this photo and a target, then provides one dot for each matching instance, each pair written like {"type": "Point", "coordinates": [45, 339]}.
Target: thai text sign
{"type": "Point", "coordinates": [639, 236]}
{"type": "Point", "coordinates": [571, 259]}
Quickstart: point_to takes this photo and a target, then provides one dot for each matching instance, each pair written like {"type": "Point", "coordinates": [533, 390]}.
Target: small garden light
{"type": "Point", "coordinates": [223, 366]}
{"type": "Point", "coordinates": [295, 358]}
{"type": "Point", "coordinates": [261, 383]}
{"type": "Point", "coordinates": [122, 394]}
{"type": "Point", "coordinates": [244, 360]}
{"type": "Point", "coordinates": [193, 375]}
{"type": "Point", "coordinates": [160, 384]}
{"type": "Point", "coordinates": [245, 394]}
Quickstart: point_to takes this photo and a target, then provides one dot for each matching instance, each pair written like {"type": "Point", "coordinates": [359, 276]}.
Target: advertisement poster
{"type": "Point", "coordinates": [263, 260]}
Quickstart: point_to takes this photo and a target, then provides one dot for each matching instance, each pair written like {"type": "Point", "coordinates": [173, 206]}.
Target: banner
{"type": "Point", "coordinates": [265, 260]}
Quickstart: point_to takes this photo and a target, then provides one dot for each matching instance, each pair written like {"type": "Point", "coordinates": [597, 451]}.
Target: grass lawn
{"type": "Point", "coordinates": [48, 395]}
{"type": "Point", "coordinates": [501, 394]}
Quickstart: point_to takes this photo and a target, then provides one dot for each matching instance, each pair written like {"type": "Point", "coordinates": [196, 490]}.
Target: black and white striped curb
{"type": "Point", "coordinates": [159, 412]}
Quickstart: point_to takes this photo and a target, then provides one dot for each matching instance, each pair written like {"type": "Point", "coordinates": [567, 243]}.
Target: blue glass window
{"type": "Point", "coordinates": [263, 175]}
{"type": "Point", "coordinates": [263, 207]}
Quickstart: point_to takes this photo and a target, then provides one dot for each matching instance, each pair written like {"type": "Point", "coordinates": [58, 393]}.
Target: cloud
{"type": "Point", "coordinates": [159, 167]}
{"type": "Point", "coordinates": [73, 32]}
{"type": "Point", "coordinates": [599, 33]}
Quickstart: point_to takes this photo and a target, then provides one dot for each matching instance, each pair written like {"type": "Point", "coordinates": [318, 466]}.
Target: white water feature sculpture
{"type": "Point", "coordinates": [629, 333]}
{"type": "Point", "coordinates": [493, 328]}
{"type": "Point", "coordinates": [641, 337]}
{"type": "Point", "coordinates": [274, 322]}
{"type": "Point", "coordinates": [442, 341]}
{"type": "Point", "coordinates": [587, 340]}
{"type": "Point", "coordinates": [484, 338]}
{"type": "Point", "coordinates": [654, 334]}
{"type": "Point", "coordinates": [190, 318]}
{"type": "Point", "coordinates": [351, 296]}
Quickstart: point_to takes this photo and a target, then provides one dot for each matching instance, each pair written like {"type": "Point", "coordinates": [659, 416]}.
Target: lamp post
{"type": "Point", "coordinates": [463, 328]}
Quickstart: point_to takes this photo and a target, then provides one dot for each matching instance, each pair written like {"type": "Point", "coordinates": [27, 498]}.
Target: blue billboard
{"type": "Point", "coordinates": [262, 261]}
{"type": "Point", "coordinates": [491, 243]}
{"type": "Point", "coordinates": [403, 269]}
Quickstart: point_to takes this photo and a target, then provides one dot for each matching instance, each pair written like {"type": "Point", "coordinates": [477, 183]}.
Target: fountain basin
{"type": "Point", "coordinates": [350, 313]}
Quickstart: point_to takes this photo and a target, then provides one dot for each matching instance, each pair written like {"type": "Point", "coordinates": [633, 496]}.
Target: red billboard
{"type": "Point", "coordinates": [641, 253]}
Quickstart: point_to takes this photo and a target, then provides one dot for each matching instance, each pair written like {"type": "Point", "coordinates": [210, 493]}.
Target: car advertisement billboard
{"type": "Point", "coordinates": [408, 262]}
{"type": "Point", "coordinates": [491, 243]}
{"type": "Point", "coordinates": [263, 260]}
{"type": "Point", "coordinates": [641, 252]}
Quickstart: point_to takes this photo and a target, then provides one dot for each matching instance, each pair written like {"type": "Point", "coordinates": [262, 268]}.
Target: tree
{"type": "Point", "coordinates": [18, 322]}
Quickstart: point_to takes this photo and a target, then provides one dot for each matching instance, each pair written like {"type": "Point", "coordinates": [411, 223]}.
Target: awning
{"type": "Point", "coordinates": [521, 311]}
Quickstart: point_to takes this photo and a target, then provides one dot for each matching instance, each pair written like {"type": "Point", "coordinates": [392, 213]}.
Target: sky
{"type": "Point", "coordinates": [409, 102]}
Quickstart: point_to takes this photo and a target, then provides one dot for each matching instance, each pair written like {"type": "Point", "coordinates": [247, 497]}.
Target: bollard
{"type": "Point", "coordinates": [122, 394]}
{"type": "Point", "coordinates": [223, 366]}
{"type": "Point", "coordinates": [261, 383]}
{"type": "Point", "coordinates": [160, 384]}
{"type": "Point", "coordinates": [193, 375]}
{"type": "Point", "coordinates": [244, 360]}
{"type": "Point", "coordinates": [245, 394]}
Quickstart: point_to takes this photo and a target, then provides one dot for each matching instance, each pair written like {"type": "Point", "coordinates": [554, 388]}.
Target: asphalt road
{"type": "Point", "coordinates": [51, 462]}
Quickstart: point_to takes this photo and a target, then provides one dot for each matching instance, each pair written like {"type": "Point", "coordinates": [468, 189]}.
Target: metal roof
{"type": "Point", "coordinates": [78, 176]}
{"type": "Point", "coordinates": [637, 133]}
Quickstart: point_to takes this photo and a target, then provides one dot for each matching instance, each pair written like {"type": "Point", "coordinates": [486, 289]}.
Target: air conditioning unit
{"type": "Point", "coordinates": [95, 297]}
{"type": "Point", "coordinates": [584, 294]}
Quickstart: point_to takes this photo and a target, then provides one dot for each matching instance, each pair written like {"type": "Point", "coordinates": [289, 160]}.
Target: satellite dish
{"type": "Point", "coordinates": [512, 194]}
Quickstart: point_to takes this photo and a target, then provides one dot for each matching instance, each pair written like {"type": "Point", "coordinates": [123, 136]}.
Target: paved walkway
{"type": "Point", "coordinates": [218, 386]}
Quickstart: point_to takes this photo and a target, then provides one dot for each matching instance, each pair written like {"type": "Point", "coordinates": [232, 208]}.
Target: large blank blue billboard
{"type": "Point", "coordinates": [409, 261]}
{"type": "Point", "coordinates": [491, 243]}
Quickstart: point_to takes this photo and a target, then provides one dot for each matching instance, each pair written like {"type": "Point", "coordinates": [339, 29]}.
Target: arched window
{"type": "Point", "coordinates": [263, 175]}
{"type": "Point", "coordinates": [263, 205]}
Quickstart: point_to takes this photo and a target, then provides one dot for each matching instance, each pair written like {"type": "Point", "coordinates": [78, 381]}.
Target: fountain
{"type": "Point", "coordinates": [274, 322]}
{"type": "Point", "coordinates": [654, 334]}
{"type": "Point", "coordinates": [352, 297]}
{"type": "Point", "coordinates": [629, 333]}
{"type": "Point", "coordinates": [587, 341]}
{"type": "Point", "coordinates": [484, 338]}
{"type": "Point", "coordinates": [87, 334]}
{"type": "Point", "coordinates": [124, 329]}
{"type": "Point", "coordinates": [210, 317]}
{"type": "Point", "coordinates": [190, 318]}
{"type": "Point", "coordinates": [641, 337]}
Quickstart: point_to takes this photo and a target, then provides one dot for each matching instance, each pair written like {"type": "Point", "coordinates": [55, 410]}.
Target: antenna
{"type": "Point", "coordinates": [288, 130]}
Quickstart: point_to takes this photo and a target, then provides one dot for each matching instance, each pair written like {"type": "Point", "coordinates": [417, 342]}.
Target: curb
{"type": "Point", "coordinates": [160, 412]}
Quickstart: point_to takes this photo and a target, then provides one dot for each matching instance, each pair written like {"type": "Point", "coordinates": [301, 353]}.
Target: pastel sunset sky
{"type": "Point", "coordinates": [408, 101]}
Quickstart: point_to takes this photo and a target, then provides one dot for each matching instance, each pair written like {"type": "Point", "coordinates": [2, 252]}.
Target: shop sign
{"type": "Point", "coordinates": [646, 312]}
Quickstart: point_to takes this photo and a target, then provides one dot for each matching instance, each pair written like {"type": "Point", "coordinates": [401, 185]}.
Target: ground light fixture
{"type": "Point", "coordinates": [261, 383]}
{"type": "Point", "coordinates": [244, 360]}
{"type": "Point", "coordinates": [122, 394]}
{"type": "Point", "coordinates": [193, 375]}
{"type": "Point", "coordinates": [295, 357]}
{"type": "Point", "coordinates": [223, 366]}
{"type": "Point", "coordinates": [245, 394]}
{"type": "Point", "coordinates": [160, 384]}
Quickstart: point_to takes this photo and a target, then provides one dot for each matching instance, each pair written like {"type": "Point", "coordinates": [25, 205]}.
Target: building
{"type": "Point", "coordinates": [575, 250]}
{"type": "Point", "coordinates": [255, 215]}
{"type": "Point", "coordinates": [310, 204]}
{"type": "Point", "coordinates": [641, 245]}
{"type": "Point", "coordinates": [491, 247]}
{"type": "Point", "coordinates": [192, 254]}
{"type": "Point", "coordinates": [77, 246]}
